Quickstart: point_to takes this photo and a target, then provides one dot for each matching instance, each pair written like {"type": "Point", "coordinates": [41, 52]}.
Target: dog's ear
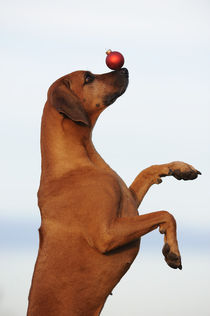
{"type": "Point", "coordinates": [66, 102]}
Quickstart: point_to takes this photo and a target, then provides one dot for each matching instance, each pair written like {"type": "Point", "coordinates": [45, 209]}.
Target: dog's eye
{"type": "Point", "coordinates": [88, 78]}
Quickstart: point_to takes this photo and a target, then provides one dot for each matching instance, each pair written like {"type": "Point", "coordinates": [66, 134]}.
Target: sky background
{"type": "Point", "coordinates": [162, 117]}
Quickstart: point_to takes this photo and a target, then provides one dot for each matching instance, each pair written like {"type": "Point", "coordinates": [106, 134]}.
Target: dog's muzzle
{"type": "Point", "coordinates": [121, 82]}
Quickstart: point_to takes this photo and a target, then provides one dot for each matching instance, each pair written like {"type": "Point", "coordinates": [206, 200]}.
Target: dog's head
{"type": "Point", "coordinates": [82, 96]}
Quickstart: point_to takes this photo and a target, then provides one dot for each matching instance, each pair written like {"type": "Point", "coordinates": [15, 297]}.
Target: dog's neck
{"type": "Point", "coordinates": [65, 145]}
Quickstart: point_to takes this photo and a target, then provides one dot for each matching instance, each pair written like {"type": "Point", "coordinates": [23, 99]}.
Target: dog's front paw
{"type": "Point", "coordinates": [183, 171]}
{"type": "Point", "coordinates": [172, 259]}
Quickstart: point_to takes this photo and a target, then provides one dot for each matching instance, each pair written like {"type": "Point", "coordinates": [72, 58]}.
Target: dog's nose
{"type": "Point", "coordinates": [124, 71]}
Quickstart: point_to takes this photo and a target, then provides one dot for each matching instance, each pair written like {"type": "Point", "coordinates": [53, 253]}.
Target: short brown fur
{"type": "Point", "coordinates": [90, 231]}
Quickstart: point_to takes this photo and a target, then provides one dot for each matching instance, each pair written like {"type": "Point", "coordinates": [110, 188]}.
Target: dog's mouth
{"type": "Point", "coordinates": [109, 99]}
{"type": "Point", "coordinates": [112, 97]}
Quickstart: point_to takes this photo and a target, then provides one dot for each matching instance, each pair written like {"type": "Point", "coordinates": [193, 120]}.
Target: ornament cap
{"type": "Point", "coordinates": [108, 51]}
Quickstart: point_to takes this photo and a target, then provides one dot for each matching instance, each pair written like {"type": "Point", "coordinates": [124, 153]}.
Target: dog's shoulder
{"type": "Point", "coordinates": [81, 182]}
{"type": "Point", "coordinates": [92, 179]}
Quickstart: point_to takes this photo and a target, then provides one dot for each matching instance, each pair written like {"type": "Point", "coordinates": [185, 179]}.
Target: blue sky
{"type": "Point", "coordinates": [162, 117]}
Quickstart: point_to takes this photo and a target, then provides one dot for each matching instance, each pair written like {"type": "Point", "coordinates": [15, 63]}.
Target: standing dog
{"type": "Point", "coordinates": [90, 231]}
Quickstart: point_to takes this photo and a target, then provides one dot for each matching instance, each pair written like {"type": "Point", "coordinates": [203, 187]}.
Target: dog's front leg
{"type": "Point", "coordinates": [125, 230]}
{"type": "Point", "coordinates": [153, 175]}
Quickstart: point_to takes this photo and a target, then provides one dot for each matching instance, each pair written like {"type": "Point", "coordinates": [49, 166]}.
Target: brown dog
{"type": "Point", "coordinates": [91, 229]}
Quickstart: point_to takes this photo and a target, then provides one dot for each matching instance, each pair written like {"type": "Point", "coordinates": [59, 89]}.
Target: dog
{"type": "Point", "coordinates": [90, 229]}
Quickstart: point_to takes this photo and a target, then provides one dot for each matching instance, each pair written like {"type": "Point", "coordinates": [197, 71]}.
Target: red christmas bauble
{"type": "Point", "coordinates": [114, 60]}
